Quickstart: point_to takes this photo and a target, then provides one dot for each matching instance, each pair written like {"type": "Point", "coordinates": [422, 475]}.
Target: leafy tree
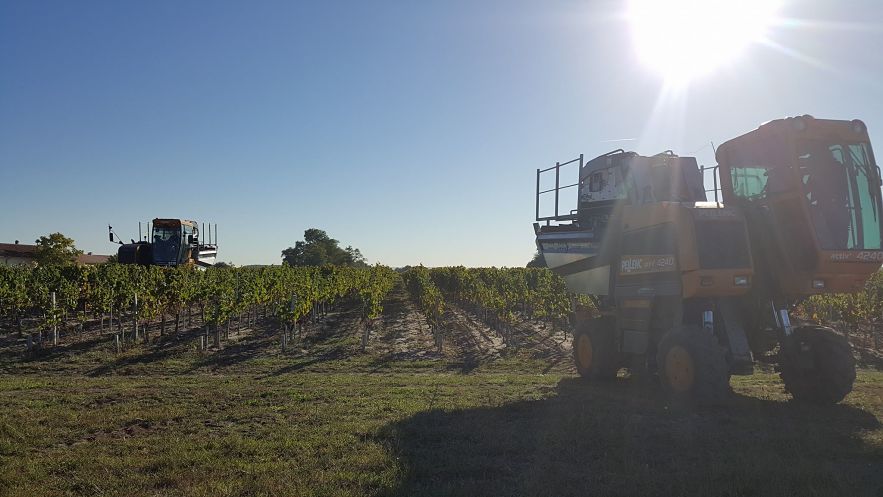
{"type": "Point", "coordinates": [224, 264]}
{"type": "Point", "coordinates": [356, 256]}
{"type": "Point", "coordinates": [537, 261]}
{"type": "Point", "coordinates": [56, 250]}
{"type": "Point", "coordinates": [317, 249]}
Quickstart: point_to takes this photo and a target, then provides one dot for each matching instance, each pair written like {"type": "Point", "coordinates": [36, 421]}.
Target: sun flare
{"type": "Point", "coordinates": [684, 39]}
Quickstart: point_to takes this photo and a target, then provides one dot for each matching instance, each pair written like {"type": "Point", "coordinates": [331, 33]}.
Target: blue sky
{"type": "Point", "coordinates": [411, 130]}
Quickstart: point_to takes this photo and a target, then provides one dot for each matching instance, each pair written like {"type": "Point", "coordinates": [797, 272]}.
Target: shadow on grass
{"type": "Point", "coordinates": [331, 342]}
{"type": "Point", "coordinates": [623, 439]}
{"type": "Point", "coordinates": [163, 348]}
{"type": "Point", "coordinates": [243, 346]}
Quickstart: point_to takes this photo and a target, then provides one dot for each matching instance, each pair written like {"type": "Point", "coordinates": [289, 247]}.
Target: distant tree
{"type": "Point", "coordinates": [355, 256]}
{"type": "Point", "coordinates": [56, 250]}
{"type": "Point", "coordinates": [225, 264]}
{"type": "Point", "coordinates": [537, 261]}
{"type": "Point", "coordinates": [317, 248]}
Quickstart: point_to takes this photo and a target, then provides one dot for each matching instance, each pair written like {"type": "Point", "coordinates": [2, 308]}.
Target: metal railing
{"type": "Point", "coordinates": [715, 174]}
{"type": "Point", "coordinates": [557, 190]}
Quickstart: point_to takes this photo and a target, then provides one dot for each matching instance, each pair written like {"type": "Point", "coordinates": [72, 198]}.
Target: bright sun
{"type": "Point", "coordinates": [683, 39]}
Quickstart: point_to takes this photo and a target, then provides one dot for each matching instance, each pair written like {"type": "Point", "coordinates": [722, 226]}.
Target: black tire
{"type": "Point", "coordinates": [817, 365]}
{"type": "Point", "coordinates": [693, 366]}
{"type": "Point", "coordinates": [594, 349]}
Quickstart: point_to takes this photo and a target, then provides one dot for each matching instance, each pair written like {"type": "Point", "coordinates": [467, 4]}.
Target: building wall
{"type": "Point", "coordinates": [15, 261]}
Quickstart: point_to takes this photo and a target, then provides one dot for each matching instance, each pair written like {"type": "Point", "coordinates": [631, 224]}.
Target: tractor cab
{"type": "Point", "coordinates": [172, 241]}
{"type": "Point", "coordinates": [811, 190]}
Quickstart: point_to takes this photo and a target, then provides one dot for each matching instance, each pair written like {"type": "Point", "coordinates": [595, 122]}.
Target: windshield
{"type": "Point", "coordinates": [166, 244]}
{"type": "Point", "coordinates": [759, 169]}
{"type": "Point", "coordinates": [842, 188]}
{"type": "Point", "coordinates": [165, 234]}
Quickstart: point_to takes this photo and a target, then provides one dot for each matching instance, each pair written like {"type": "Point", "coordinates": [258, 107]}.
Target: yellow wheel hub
{"type": "Point", "coordinates": [584, 352]}
{"type": "Point", "coordinates": [679, 369]}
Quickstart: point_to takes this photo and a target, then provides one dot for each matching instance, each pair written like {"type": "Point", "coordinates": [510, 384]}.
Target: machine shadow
{"type": "Point", "coordinates": [623, 439]}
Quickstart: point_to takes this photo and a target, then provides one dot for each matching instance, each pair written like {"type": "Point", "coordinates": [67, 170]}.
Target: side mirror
{"type": "Point", "coordinates": [110, 235]}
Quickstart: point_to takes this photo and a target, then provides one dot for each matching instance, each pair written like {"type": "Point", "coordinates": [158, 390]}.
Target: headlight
{"type": "Point", "coordinates": [818, 284]}
{"type": "Point", "coordinates": [740, 281]}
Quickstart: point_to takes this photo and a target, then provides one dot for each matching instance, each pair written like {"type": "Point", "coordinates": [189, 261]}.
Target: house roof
{"type": "Point", "coordinates": [17, 250]}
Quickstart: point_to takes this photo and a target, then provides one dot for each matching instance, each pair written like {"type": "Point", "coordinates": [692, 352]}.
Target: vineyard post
{"type": "Point", "coordinates": [291, 308]}
{"type": "Point", "coordinates": [116, 339]}
{"type": "Point", "coordinates": [365, 333]}
{"type": "Point", "coordinates": [83, 321]}
{"type": "Point", "coordinates": [54, 322]}
{"type": "Point", "coordinates": [135, 319]}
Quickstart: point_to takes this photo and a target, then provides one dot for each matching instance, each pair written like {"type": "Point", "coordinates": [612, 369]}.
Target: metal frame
{"type": "Point", "coordinates": [557, 167]}
{"type": "Point", "coordinates": [715, 173]}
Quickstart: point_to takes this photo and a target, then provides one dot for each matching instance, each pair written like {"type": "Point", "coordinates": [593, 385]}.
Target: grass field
{"type": "Point", "coordinates": [476, 419]}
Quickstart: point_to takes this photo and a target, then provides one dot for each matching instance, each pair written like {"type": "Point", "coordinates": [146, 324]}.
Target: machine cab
{"type": "Point", "coordinates": [813, 188]}
{"type": "Point", "coordinates": [172, 241]}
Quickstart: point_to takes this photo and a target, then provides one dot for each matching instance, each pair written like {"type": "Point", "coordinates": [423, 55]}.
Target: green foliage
{"type": "Point", "coordinates": [425, 293]}
{"type": "Point", "coordinates": [291, 292]}
{"type": "Point", "coordinates": [318, 249]}
{"type": "Point", "coordinates": [56, 250]}
{"type": "Point", "coordinates": [536, 293]}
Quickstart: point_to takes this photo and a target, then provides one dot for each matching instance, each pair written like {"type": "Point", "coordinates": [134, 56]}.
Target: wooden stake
{"type": "Point", "coordinates": [54, 322]}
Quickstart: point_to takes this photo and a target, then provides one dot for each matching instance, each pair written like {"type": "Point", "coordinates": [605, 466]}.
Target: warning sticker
{"type": "Point", "coordinates": [642, 264]}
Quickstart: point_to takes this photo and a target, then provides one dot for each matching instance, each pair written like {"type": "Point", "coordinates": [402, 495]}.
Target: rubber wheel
{"type": "Point", "coordinates": [817, 365]}
{"type": "Point", "coordinates": [594, 349]}
{"type": "Point", "coordinates": [692, 365]}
